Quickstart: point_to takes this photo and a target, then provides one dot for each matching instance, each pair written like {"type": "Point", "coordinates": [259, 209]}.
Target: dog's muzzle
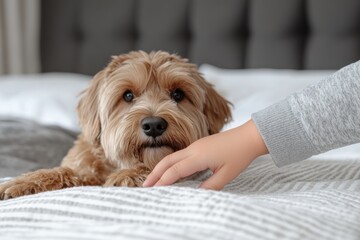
{"type": "Point", "coordinates": [154, 126]}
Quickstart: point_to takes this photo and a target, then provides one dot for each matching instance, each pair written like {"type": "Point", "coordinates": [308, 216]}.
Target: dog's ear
{"type": "Point", "coordinates": [88, 109]}
{"type": "Point", "coordinates": [216, 109]}
{"type": "Point", "coordinates": [88, 106]}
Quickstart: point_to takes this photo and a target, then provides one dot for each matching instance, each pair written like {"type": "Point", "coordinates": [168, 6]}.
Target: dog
{"type": "Point", "coordinates": [138, 109]}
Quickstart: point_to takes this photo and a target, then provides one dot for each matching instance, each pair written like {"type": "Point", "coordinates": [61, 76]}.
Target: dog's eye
{"type": "Point", "coordinates": [128, 96]}
{"type": "Point", "coordinates": [177, 95]}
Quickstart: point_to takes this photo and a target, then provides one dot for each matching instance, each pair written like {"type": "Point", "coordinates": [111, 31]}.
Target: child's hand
{"type": "Point", "coordinates": [226, 154]}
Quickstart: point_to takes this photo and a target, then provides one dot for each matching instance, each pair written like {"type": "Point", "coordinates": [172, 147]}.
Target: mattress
{"type": "Point", "coordinates": [318, 198]}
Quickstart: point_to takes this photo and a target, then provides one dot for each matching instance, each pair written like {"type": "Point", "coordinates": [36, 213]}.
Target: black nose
{"type": "Point", "coordinates": [154, 126]}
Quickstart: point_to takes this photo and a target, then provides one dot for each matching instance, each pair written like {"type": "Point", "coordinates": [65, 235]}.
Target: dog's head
{"type": "Point", "coordinates": [142, 107]}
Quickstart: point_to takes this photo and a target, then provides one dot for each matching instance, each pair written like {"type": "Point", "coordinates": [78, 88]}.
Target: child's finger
{"type": "Point", "coordinates": [180, 170]}
{"type": "Point", "coordinates": [162, 166]}
{"type": "Point", "coordinates": [219, 179]}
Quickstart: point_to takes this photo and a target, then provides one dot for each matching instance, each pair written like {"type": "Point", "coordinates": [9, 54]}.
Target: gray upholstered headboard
{"type": "Point", "coordinates": [81, 35]}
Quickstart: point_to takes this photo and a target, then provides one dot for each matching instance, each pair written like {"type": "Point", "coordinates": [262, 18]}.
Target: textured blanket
{"type": "Point", "coordinates": [26, 146]}
{"type": "Point", "coordinates": [315, 199]}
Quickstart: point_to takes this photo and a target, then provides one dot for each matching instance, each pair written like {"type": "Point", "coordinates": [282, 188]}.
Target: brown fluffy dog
{"type": "Point", "coordinates": [137, 110]}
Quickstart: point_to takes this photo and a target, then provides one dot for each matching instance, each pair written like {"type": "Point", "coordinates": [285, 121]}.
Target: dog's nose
{"type": "Point", "coordinates": [154, 126]}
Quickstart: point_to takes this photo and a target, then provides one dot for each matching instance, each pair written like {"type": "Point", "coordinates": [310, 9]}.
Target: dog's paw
{"type": "Point", "coordinates": [127, 178]}
{"type": "Point", "coordinates": [16, 188]}
{"type": "Point", "coordinates": [39, 181]}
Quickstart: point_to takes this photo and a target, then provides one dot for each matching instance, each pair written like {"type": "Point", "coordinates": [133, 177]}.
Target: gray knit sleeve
{"type": "Point", "coordinates": [317, 119]}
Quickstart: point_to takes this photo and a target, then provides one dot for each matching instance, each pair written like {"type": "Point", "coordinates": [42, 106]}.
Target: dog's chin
{"type": "Point", "coordinates": [153, 154]}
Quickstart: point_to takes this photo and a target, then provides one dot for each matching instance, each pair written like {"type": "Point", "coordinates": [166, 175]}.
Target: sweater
{"type": "Point", "coordinates": [321, 117]}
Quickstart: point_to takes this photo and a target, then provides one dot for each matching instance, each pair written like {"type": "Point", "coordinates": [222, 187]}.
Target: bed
{"type": "Point", "coordinates": [254, 52]}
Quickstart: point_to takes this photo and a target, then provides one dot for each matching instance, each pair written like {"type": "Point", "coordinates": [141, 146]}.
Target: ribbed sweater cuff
{"type": "Point", "coordinates": [283, 134]}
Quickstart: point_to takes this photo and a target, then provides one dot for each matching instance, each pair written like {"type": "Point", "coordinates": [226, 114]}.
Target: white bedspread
{"type": "Point", "coordinates": [317, 199]}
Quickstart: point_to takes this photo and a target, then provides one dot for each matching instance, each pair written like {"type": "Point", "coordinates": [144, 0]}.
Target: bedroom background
{"type": "Point", "coordinates": [255, 52]}
{"type": "Point", "coordinates": [251, 34]}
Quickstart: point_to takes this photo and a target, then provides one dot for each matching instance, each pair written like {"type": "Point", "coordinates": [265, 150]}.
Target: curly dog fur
{"type": "Point", "coordinates": [137, 110]}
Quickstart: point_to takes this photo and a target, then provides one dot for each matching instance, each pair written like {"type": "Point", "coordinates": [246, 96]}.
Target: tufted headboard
{"type": "Point", "coordinates": [81, 35]}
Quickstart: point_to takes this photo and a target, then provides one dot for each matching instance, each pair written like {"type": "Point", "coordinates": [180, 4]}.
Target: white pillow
{"type": "Point", "coordinates": [251, 90]}
{"type": "Point", "coordinates": [48, 98]}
